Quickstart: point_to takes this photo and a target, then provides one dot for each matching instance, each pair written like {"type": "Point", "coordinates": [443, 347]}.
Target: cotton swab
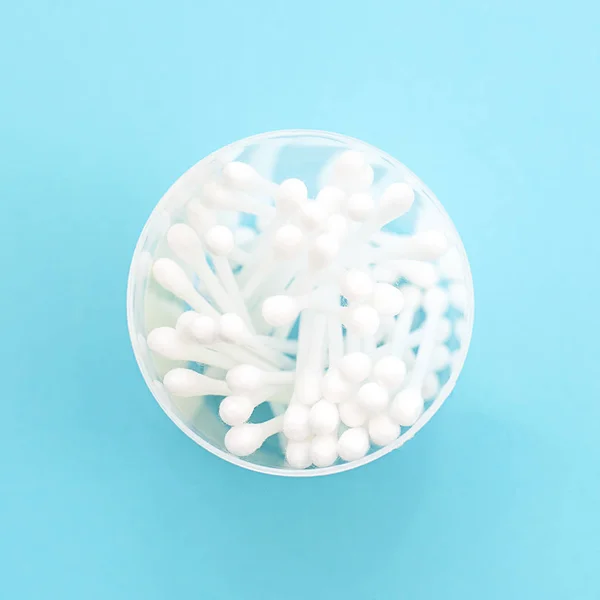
{"type": "Point", "coordinates": [233, 330]}
{"type": "Point", "coordinates": [382, 430]}
{"type": "Point", "coordinates": [187, 383]}
{"type": "Point", "coordinates": [387, 299]}
{"type": "Point", "coordinates": [246, 439]}
{"type": "Point", "coordinates": [201, 328]}
{"type": "Point", "coordinates": [417, 272]}
{"type": "Point", "coordinates": [353, 444]}
{"type": "Point", "coordinates": [407, 406]}
{"type": "Point", "coordinates": [323, 450]}
{"type": "Point", "coordinates": [243, 177]}
{"type": "Point", "coordinates": [220, 241]}
{"type": "Point", "coordinates": [390, 372]}
{"type": "Point", "coordinates": [443, 332]}
{"type": "Point", "coordinates": [352, 414]}
{"type": "Point", "coordinates": [297, 454]}
{"type": "Point", "coordinates": [173, 278]}
{"type": "Point", "coordinates": [351, 172]}
{"type": "Point", "coordinates": [309, 373]}
{"type": "Point", "coordinates": [296, 424]}
{"type": "Point", "coordinates": [424, 245]}
{"type": "Point", "coordinates": [247, 379]}
{"type": "Point", "coordinates": [360, 206]}
{"type": "Point", "coordinates": [289, 197]}
{"type": "Point", "coordinates": [324, 417]}
{"type": "Point", "coordinates": [167, 342]}
{"type": "Point", "coordinates": [355, 367]}
{"type": "Point", "coordinates": [236, 410]}
{"type": "Point", "coordinates": [186, 244]}
{"type": "Point", "coordinates": [331, 199]}
{"type": "Point", "coordinates": [219, 197]}
{"type": "Point", "coordinates": [335, 387]}
{"type": "Point", "coordinates": [373, 397]}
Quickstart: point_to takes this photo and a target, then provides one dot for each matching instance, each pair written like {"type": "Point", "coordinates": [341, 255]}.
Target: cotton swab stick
{"type": "Point", "coordinates": [186, 244]}
{"type": "Point", "coordinates": [323, 450]}
{"type": "Point", "coordinates": [420, 273]}
{"type": "Point", "coordinates": [219, 240]}
{"type": "Point", "coordinates": [424, 245]}
{"type": "Point", "coordinates": [310, 371]}
{"type": "Point", "coordinates": [247, 379]}
{"type": "Point", "coordinates": [353, 444]}
{"type": "Point", "coordinates": [233, 330]}
{"type": "Point", "coordinates": [246, 439]}
{"type": "Point", "coordinates": [236, 410]}
{"type": "Point", "coordinates": [173, 278]}
{"type": "Point", "coordinates": [187, 383]}
{"type": "Point", "coordinates": [407, 406]}
{"type": "Point", "coordinates": [297, 454]}
{"type": "Point", "coordinates": [167, 342]}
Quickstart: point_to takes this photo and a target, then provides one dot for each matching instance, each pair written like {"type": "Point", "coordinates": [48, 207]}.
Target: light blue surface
{"type": "Point", "coordinates": [493, 104]}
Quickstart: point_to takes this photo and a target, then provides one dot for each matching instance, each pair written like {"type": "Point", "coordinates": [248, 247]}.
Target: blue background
{"type": "Point", "coordinates": [493, 104]}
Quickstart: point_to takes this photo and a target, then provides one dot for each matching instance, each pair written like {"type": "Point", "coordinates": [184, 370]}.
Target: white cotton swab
{"type": "Point", "coordinates": [220, 241]}
{"type": "Point", "coordinates": [167, 342]}
{"type": "Point", "coordinates": [335, 387]}
{"type": "Point", "coordinates": [244, 178]}
{"type": "Point", "coordinates": [407, 406]}
{"type": "Point", "coordinates": [219, 197]}
{"type": "Point", "coordinates": [382, 430]}
{"type": "Point", "coordinates": [233, 330]}
{"type": "Point", "coordinates": [357, 285]}
{"type": "Point", "coordinates": [288, 242]}
{"type": "Point", "coordinates": [351, 172]}
{"type": "Point", "coordinates": [296, 425]}
{"type": "Point", "coordinates": [396, 200]}
{"type": "Point", "coordinates": [186, 244]}
{"type": "Point", "coordinates": [200, 217]}
{"type": "Point", "coordinates": [352, 414]}
{"type": "Point", "coordinates": [353, 444]}
{"type": "Point", "coordinates": [173, 278]}
{"type": "Point", "coordinates": [331, 199]}
{"type": "Point", "coordinates": [442, 333]}
{"type": "Point", "coordinates": [355, 367]}
{"type": "Point", "coordinates": [424, 245]}
{"type": "Point", "coordinates": [360, 206]}
{"type": "Point", "coordinates": [246, 379]}
{"type": "Point", "coordinates": [373, 397]}
{"type": "Point", "coordinates": [297, 454]}
{"type": "Point", "coordinates": [323, 450]}
{"type": "Point", "coordinates": [417, 272]}
{"type": "Point", "coordinates": [387, 299]}
{"type": "Point", "coordinates": [404, 321]}
{"type": "Point", "coordinates": [201, 328]}
{"type": "Point", "coordinates": [236, 410]}
{"type": "Point", "coordinates": [205, 330]}
{"type": "Point", "coordinates": [324, 417]}
{"type": "Point", "coordinates": [389, 371]}
{"type": "Point", "coordinates": [311, 342]}
{"type": "Point", "coordinates": [246, 439]}
{"type": "Point", "coordinates": [289, 197]}
{"type": "Point", "coordinates": [187, 384]}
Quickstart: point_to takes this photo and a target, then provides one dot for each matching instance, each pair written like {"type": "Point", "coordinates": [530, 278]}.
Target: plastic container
{"type": "Point", "coordinates": [279, 155]}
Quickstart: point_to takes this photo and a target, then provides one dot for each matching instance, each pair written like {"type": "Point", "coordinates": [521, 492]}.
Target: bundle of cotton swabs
{"type": "Point", "coordinates": [322, 311]}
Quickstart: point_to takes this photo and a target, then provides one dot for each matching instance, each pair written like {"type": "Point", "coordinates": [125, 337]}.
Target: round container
{"type": "Point", "coordinates": [279, 155]}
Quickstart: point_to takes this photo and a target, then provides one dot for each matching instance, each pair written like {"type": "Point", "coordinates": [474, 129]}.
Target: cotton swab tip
{"type": "Point", "coordinates": [235, 410]}
{"type": "Point", "coordinates": [353, 444]}
{"type": "Point", "coordinates": [219, 240]}
{"type": "Point", "coordinates": [355, 367]}
{"type": "Point", "coordinates": [278, 311]}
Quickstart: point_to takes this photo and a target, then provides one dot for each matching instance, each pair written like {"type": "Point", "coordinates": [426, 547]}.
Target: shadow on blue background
{"type": "Point", "coordinates": [493, 104]}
